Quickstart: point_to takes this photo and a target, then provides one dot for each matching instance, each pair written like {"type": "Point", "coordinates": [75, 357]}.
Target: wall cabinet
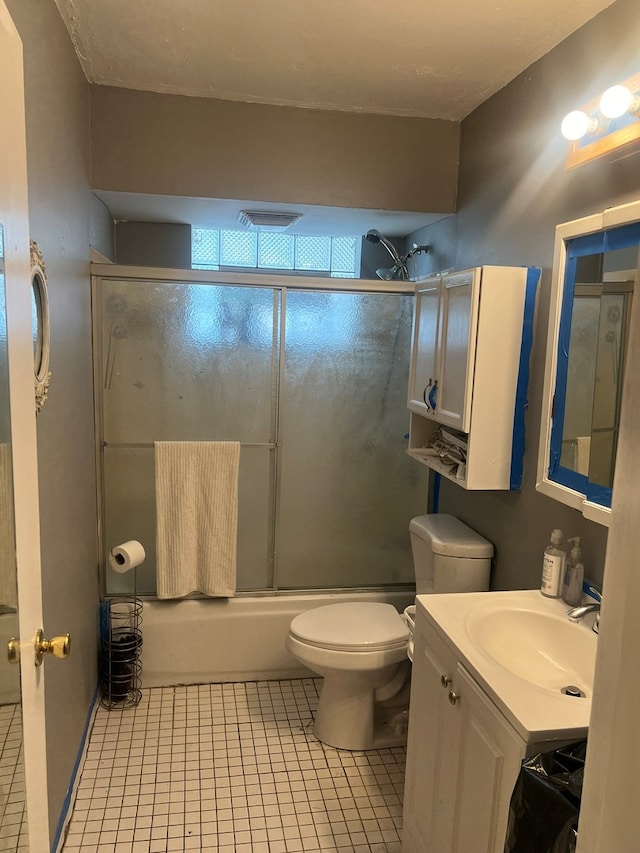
{"type": "Point", "coordinates": [469, 371]}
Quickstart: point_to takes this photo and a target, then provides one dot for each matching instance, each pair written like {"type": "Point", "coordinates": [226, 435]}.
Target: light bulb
{"type": "Point", "coordinates": [617, 101]}
{"type": "Point", "coordinates": [576, 124]}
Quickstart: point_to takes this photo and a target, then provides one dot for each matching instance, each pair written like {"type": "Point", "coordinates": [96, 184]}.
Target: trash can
{"type": "Point", "coordinates": [545, 804]}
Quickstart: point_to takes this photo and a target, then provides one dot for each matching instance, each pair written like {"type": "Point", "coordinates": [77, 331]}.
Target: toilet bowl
{"type": "Point", "coordinates": [361, 651]}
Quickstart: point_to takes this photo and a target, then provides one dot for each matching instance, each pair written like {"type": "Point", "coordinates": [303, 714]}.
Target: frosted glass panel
{"type": "Point", "coordinates": [130, 513]}
{"type": "Point", "coordinates": [347, 488]}
{"type": "Point", "coordinates": [187, 362]}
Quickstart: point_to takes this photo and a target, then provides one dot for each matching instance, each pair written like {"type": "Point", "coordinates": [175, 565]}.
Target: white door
{"type": "Point", "coordinates": [19, 344]}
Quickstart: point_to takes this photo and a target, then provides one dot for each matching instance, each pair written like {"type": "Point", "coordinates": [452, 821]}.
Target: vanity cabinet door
{"type": "Point", "coordinates": [432, 748]}
{"type": "Point", "coordinates": [423, 386]}
{"type": "Point", "coordinates": [490, 756]}
{"type": "Point", "coordinates": [463, 756]}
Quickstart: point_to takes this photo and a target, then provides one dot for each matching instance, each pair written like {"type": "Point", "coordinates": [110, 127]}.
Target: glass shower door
{"type": "Point", "coordinates": [187, 362]}
{"type": "Point", "coordinates": [347, 489]}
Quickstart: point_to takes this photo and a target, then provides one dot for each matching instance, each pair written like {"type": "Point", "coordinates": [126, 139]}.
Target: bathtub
{"type": "Point", "coordinates": [238, 639]}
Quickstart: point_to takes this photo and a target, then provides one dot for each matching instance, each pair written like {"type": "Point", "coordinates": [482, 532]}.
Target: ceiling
{"type": "Point", "coordinates": [428, 58]}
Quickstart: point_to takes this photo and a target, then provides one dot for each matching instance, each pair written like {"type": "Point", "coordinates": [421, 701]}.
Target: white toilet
{"type": "Point", "coordinates": [361, 648]}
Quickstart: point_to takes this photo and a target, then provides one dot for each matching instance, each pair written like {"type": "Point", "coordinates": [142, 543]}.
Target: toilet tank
{"type": "Point", "coordinates": [448, 556]}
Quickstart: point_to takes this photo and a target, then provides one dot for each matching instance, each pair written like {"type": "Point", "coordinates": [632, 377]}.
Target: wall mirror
{"type": "Point", "coordinates": [40, 325]}
{"type": "Point", "coordinates": [595, 274]}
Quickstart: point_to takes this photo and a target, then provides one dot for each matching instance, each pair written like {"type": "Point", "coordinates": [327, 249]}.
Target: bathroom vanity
{"type": "Point", "coordinates": [488, 674]}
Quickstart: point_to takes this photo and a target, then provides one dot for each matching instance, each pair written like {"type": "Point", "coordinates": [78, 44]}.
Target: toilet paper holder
{"type": "Point", "coordinates": [121, 635]}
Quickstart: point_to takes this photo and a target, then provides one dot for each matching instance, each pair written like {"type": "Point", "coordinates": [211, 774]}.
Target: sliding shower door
{"type": "Point", "coordinates": [311, 383]}
{"type": "Point", "coordinates": [346, 488]}
{"type": "Point", "coordinates": [187, 362]}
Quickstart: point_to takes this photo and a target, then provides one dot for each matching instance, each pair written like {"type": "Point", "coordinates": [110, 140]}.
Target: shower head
{"type": "Point", "coordinates": [399, 268]}
{"type": "Point", "coordinates": [387, 275]}
{"type": "Point", "coordinates": [374, 236]}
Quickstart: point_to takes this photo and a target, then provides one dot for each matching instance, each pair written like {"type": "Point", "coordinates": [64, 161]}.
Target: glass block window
{"type": "Point", "coordinates": [238, 249]}
{"type": "Point", "coordinates": [338, 257]}
{"type": "Point", "coordinates": [276, 251]}
{"type": "Point", "coordinates": [313, 253]}
{"type": "Point", "coordinates": [205, 249]}
{"type": "Point", "coordinates": [343, 252]}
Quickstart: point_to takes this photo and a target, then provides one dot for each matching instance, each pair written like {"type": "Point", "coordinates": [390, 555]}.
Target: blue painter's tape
{"type": "Point", "coordinates": [66, 805]}
{"type": "Point", "coordinates": [518, 440]}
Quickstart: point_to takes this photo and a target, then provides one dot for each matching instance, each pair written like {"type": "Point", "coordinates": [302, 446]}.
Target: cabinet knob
{"type": "Point", "coordinates": [453, 697]}
{"type": "Point", "coordinates": [445, 680]}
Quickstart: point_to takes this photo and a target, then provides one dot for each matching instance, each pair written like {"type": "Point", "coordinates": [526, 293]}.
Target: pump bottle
{"type": "Point", "coordinates": [574, 575]}
{"type": "Point", "coordinates": [553, 566]}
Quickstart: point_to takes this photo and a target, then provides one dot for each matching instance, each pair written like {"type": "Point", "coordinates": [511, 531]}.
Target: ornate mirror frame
{"type": "Point", "coordinates": [43, 333]}
{"type": "Point", "coordinates": [595, 509]}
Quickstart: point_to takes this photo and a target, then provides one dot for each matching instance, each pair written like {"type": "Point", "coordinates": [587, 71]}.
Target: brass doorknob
{"type": "Point", "coordinates": [59, 647]}
{"type": "Point", "coordinates": [13, 650]}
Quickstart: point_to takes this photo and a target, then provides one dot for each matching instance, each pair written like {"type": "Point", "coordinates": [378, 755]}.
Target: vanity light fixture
{"type": "Point", "coordinates": [618, 100]}
{"type": "Point", "coordinates": [577, 124]}
{"type": "Point", "coordinates": [607, 124]}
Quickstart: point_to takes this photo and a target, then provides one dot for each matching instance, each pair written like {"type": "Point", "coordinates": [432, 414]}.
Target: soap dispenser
{"type": "Point", "coordinates": [553, 566]}
{"type": "Point", "coordinates": [574, 575]}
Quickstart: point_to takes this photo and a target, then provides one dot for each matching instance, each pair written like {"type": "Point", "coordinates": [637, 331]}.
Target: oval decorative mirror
{"type": "Point", "coordinates": [40, 325]}
{"type": "Point", "coordinates": [595, 272]}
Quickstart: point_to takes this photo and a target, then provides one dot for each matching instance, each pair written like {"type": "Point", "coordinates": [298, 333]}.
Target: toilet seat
{"type": "Point", "coordinates": [351, 627]}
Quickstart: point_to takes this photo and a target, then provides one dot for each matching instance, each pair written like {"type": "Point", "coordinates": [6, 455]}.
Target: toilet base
{"type": "Point", "coordinates": [349, 717]}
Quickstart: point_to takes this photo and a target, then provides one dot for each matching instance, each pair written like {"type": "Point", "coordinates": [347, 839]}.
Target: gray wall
{"type": "Point", "coordinates": [201, 147]}
{"type": "Point", "coordinates": [514, 190]}
{"type": "Point", "coordinates": [153, 244]}
{"type": "Point", "coordinates": [57, 116]}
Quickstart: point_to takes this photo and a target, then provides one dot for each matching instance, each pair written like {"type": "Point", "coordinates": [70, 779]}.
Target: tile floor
{"type": "Point", "coordinates": [13, 825]}
{"type": "Point", "coordinates": [231, 768]}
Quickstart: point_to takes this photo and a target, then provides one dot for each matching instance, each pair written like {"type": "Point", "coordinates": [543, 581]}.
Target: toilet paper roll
{"type": "Point", "coordinates": [126, 556]}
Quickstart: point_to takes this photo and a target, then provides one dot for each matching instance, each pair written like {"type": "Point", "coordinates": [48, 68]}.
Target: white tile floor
{"type": "Point", "coordinates": [231, 768]}
{"type": "Point", "coordinates": [13, 824]}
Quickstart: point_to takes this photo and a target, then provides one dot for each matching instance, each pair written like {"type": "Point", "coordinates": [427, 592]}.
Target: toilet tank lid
{"type": "Point", "coordinates": [450, 537]}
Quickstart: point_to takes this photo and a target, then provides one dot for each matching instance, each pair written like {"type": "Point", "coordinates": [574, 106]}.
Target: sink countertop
{"type": "Point", "coordinates": [536, 712]}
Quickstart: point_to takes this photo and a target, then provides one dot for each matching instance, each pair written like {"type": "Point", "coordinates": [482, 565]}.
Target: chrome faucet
{"type": "Point", "coordinates": [577, 613]}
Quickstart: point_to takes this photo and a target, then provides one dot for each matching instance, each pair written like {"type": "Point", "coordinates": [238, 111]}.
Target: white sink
{"type": "Point", "coordinates": [525, 652]}
{"type": "Point", "coordinates": [543, 648]}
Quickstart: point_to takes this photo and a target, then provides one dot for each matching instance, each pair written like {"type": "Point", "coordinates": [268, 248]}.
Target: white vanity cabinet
{"type": "Point", "coordinates": [463, 757]}
{"type": "Point", "coordinates": [469, 369]}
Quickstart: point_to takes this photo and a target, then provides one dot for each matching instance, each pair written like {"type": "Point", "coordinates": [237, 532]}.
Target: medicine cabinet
{"type": "Point", "coordinates": [595, 270]}
{"type": "Point", "coordinates": [469, 373]}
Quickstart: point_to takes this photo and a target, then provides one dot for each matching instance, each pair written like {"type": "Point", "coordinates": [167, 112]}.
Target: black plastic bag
{"type": "Point", "coordinates": [543, 814]}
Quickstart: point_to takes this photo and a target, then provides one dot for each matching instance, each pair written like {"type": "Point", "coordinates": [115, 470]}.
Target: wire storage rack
{"type": "Point", "coordinates": [120, 664]}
